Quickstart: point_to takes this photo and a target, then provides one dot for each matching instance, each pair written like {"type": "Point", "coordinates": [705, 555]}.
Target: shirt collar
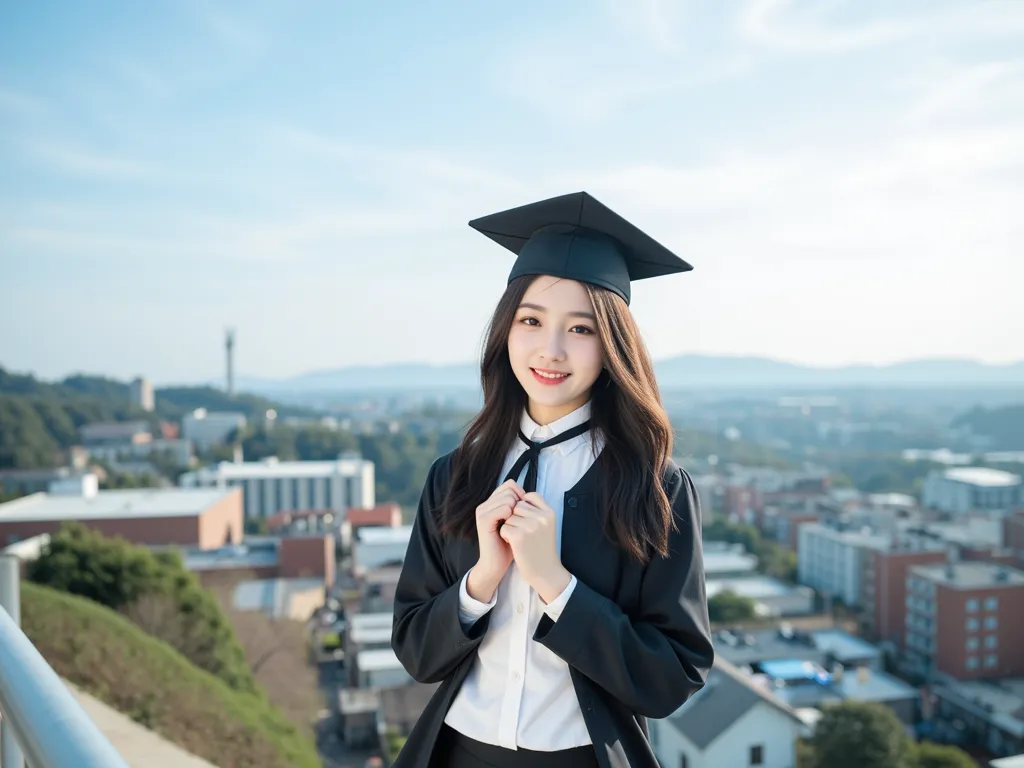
{"type": "Point", "coordinates": [538, 433]}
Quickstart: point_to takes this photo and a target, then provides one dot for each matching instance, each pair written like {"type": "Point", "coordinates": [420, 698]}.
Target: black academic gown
{"type": "Point", "coordinates": [636, 637]}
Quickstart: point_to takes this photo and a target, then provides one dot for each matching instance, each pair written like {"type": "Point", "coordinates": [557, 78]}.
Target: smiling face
{"type": "Point", "coordinates": [554, 348]}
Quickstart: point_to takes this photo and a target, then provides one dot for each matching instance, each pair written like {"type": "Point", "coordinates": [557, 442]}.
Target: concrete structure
{"type": "Point", "coordinates": [198, 518]}
{"type": "Point", "coordinates": [966, 489]}
{"type": "Point", "coordinates": [140, 392]}
{"type": "Point", "coordinates": [179, 450]}
{"type": "Point", "coordinates": [270, 557]}
{"type": "Point", "coordinates": [206, 429]}
{"type": "Point", "coordinates": [964, 620]}
{"type": "Point", "coordinates": [823, 647]}
{"type": "Point", "coordinates": [830, 560]}
{"type": "Point", "coordinates": [379, 668]}
{"type": "Point", "coordinates": [114, 432]}
{"type": "Point", "coordinates": [729, 722]}
{"type": "Point", "coordinates": [377, 547]}
{"type": "Point", "coordinates": [273, 486]}
{"type": "Point", "coordinates": [296, 599]}
{"type": "Point", "coordinates": [723, 560]}
{"type": "Point", "coordinates": [771, 597]}
{"type": "Point", "coordinates": [981, 714]}
{"type": "Point", "coordinates": [1013, 535]}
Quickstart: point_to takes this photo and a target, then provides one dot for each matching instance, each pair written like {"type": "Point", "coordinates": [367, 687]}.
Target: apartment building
{"type": "Point", "coordinates": [963, 620]}
{"type": "Point", "coordinates": [884, 587]}
{"type": "Point", "coordinates": [830, 559]}
{"type": "Point", "coordinates": [966, 489]}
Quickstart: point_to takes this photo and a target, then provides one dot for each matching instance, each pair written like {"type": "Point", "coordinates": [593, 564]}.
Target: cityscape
{"type": "Point", "coordinates": [872, 552]}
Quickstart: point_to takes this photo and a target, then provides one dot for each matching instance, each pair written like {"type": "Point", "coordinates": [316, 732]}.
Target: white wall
{"type": "Point", "coordinates": [763, 724]}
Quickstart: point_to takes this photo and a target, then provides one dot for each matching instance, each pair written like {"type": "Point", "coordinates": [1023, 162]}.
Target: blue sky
{"type": "Point", "coordinates": [846, 177]}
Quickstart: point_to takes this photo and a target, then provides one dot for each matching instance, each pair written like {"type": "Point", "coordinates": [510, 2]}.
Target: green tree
{"type": "Point", "coordinates": [858, 734]}
{"type": "Point", "coordinates": [154, 590]}
{"type": "Point", "coordinates": [931, 755]}
{"type": "Point", "coordinates": [727, 606]}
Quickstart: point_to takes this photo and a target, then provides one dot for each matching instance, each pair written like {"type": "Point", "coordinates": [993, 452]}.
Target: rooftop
{"type": "Point", "coordinates": [970, 575]}
{"type": "Point", "coordinates": [720, 557]}
{"type": "Point", "coordinates": [272, 468]}
{"type": "Point", "coordinates": [234, 556]}
{"type": "Point", "coordinates": [801, 683]}
{"type": "Point", "coordinates": [762, 645]}
{"type": "Point", "coordinates": [728, 695]}
{"type": "Point", "coordinates": [377, 660]}
{"type": "Point", "coordinates": [999, 702]}
{"type": "Point", "coordinates": [105, 505]}
{"type": "Point", "coordinates": [858, 538]}
{"type": "Point", "coordinates": [385, 535]}
{"type": "Point", "coordinates": [991, 478]}
{"type": "Point", "coordinates": [753, 587]}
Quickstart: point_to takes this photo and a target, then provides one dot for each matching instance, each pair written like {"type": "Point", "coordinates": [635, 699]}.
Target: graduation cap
{"type": "Point", "coordinates": [576, 237]}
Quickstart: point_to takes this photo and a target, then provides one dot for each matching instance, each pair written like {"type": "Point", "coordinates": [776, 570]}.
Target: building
{"type": "Point", "coordinates": [771, 597]}
{"type": "Point", "coordinates": [180, 451]}
{"type": "Point", "coordinates": [723, 560]}
{"type": "Point", "coordinates": [830, 560]}
{"type": "Point", "coordinates": [25, 481]}
{"type": "Point", "coordinates": [884, 587]}
{"type": "Point", "coordinates": [116, 432]}
{"type": "Point", "coordinates": [141, 393]}
{"type": "Point", "coordinates": [378, 547]}
{"type": "Point", "coordinates": [267, 557]}
{"type": "Point", "coordinates": [1013, 535]}
{"type": "Point", "coordinates": [200, 518]}
{"type": "Point", "coordinates": [729, 722]}
{"type": "Point", "coordinates": [981, 715]}
{"type": "Point", "coordinates": [273, 486]}
{"type": "Point", "coordinates": [966, 489]}
{"type": "Point", "coordinates": [206, 429]}
{"type": "Point", "coordinates": [963, 620]}
{"type": "Point", "coordinates": [823, 648]}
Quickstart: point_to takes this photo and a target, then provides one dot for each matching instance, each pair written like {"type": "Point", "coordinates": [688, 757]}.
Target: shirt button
{"type": "Point", "coordinates": [519, 608]}
{"type": "Point", "coordinates": [572, 502]}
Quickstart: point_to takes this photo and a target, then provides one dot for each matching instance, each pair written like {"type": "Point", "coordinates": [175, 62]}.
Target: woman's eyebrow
{"type": "Point", "coordinates": [539, 308]}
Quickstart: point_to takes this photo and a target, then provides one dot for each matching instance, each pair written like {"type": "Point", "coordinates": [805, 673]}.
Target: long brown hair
{"type": "Point", "coordinates": [626, 410]}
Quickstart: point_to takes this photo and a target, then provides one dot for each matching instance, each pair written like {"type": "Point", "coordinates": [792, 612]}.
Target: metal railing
{"type": "Point", "coordinates": [42, 722]}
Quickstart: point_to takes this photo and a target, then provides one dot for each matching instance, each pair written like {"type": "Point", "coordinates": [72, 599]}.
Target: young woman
{"type": "Point", "coordinates": [554, 580]}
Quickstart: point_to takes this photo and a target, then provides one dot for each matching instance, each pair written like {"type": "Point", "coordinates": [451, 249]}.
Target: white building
{"type": "Point", "coordinates": [206, 429]}
{"type": "Point", "coordinates": [830, 560]}
{"type": "Point", "coordinates": [729, 722]}
{"type": "Point", "coordinates": [271, 486]}
{"type": "Point", "coordinates": [141, 393]}
{"type": "Point", "coordinates": [771, 597]}
{"type": "Point", "coordinates": [377, 546]}
{"type": "Point", "coordinates": [967, 489]}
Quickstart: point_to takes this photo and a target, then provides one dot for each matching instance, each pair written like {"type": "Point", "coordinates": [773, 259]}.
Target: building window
{"type": "Point", "coordinates": [972, 605]}
{"type": "Point", "coordinates": [972, 625]}
{"type": "Point", "coordinates": [757, 755]}
{"type": "Point", "coordinates": [991, 642]}
{"type": "Point", "coordinates": [991, 622]}
{"type": "Point", "coordinates": [991, 660]}
{"type": "Point", "coordinates": [991, 603]}
{"type": "Point", "coordinates": [972, 643]}
{"type": "Point", "coordinates": [972, 662]}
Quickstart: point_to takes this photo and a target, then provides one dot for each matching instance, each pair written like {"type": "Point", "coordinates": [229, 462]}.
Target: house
{"type": "Point", "coordinates": [730, 722]}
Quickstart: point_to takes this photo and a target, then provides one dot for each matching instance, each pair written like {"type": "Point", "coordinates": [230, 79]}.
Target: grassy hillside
{"type": "Point", "coordinates": [113, 660]}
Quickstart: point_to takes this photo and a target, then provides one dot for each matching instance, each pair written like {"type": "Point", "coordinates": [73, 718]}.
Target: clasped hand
{"type": "Point", "coordinates": [520, 526]}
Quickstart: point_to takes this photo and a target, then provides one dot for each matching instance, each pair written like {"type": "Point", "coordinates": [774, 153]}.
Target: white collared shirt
{"type": "Point", "coordinates": [518, 693]}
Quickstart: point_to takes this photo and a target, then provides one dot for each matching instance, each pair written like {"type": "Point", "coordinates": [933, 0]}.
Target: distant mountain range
{"type": "Point", "coordinates": [684, 371]}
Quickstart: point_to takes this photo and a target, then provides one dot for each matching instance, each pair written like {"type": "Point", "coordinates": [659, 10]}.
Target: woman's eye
{"type": "Point", "coordinates": [529, 320]}
{"type": "Point", "coordinates": [581, 329]}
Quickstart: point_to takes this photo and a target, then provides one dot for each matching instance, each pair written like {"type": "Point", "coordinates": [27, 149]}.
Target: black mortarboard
{"type": "Point", "coordinates": [576, 237]}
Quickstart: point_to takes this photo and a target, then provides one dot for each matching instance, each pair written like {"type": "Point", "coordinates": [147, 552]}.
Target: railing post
{"type": "Point", "coordinates": [10, 601]}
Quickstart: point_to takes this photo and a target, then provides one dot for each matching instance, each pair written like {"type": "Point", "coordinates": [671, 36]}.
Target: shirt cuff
{"type": "Point", "coordinates": [555, 607]}
{"type": "Point", "coordinates": [469, 609]}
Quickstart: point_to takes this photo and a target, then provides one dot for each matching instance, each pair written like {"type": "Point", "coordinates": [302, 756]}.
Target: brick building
{"type": "Point", "coordinates": [198, 518]}
{"type": "Point", "coordinates": [963, 620]}
{"type": "Point", "coordinates": [884, 589]}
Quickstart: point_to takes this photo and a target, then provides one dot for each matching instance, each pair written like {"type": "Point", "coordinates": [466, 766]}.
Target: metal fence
{"type": "Point", "coordinates": [42, 724]}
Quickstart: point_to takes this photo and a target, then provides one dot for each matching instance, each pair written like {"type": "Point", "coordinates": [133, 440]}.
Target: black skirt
{"type": "Point", "coordinates": [454, 750]}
